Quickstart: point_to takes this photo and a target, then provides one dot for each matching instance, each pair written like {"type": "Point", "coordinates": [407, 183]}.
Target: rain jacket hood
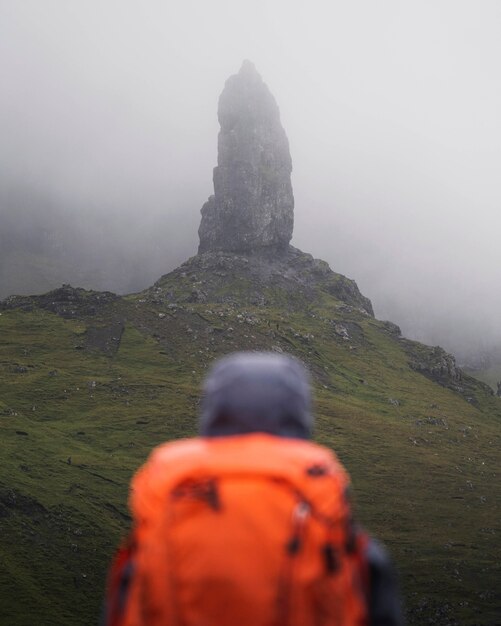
{"type": "Point", "coordinates": [257, 392]}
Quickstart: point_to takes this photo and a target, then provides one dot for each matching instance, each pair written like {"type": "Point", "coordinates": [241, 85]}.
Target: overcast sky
{"type": "Point", "coordinates": [392, 110]}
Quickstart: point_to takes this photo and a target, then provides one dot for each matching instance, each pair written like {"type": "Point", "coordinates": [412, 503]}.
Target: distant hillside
{"type": "Point", "coordinates": [44, 244]}
{"type": "Point", "coordinates": [91, 381]}
{"type": "Point", "coordinates": [491, 375]}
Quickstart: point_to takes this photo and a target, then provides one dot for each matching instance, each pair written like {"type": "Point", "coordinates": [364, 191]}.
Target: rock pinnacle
{"type": "Point", "coordinates": [252, 209]}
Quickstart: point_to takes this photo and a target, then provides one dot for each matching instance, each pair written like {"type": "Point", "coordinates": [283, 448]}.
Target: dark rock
{"type": "Point", "coordinates": [391, 328]}
{"type": "Point", "coordinates": [340, 330]}
{"type": "Point", "coordinates": [437, 364]}
{"type": "Point", "coordinates": [432, 421]}
{"type": "Point", "coordinates": [252, 206]}
{"type": "Point", "coordinates": [12, 501]}
{"type": "Point", "coordinates": [256, 279]}
{"type": "Point", "coordinates": [105, 338]}
{"type": "Point", "coordinates": [197, 295]}
{"type": "Point", "coordinates": [67, 301]}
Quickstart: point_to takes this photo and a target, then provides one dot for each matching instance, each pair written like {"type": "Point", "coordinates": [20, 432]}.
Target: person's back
{"type": "Point", "coordinates": [250, 523]}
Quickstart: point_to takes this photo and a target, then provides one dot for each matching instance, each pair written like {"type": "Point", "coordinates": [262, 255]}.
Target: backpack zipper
{"type": "Point", "coordinates": [300, 514]}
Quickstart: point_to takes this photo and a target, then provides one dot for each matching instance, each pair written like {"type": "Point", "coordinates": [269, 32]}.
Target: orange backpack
{"type": "Point", "coordinates": [247, 530]}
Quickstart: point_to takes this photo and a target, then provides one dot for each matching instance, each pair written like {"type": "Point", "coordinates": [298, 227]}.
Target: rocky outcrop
{"type": "Point", "coordinates": [244, 254]}
{"type": "Point", "coordinates": [438, 365]}
{"type": "Point", "coordinates": [293, 279]}
{"type": "Point", "coordinates": [67, 301]}
{"type": "Point", "coordinates": [252, 206]}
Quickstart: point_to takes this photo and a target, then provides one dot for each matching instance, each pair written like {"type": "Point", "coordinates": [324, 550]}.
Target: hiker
{"type": "Point", "coordinates": [249, 524]}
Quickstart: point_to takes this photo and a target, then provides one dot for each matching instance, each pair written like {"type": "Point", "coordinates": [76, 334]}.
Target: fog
{"type": "Point", "coordinates": [108, 126]}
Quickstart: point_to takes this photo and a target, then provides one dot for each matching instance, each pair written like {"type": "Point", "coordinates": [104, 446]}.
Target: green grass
{"type": "Point", "coordinates": [76, 423]}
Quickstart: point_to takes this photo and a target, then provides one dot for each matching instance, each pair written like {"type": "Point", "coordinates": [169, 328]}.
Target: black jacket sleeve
{"type": "Point", "coordinates": [385, 608]}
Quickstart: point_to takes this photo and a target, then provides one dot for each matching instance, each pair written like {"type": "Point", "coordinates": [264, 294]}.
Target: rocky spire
{"type": "Point", "coordinates": [252, 208]}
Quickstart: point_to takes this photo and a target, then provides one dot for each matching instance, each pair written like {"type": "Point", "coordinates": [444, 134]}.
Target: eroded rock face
{"type": "Point", "coordinates": [292, 280]}
{"type": "Point", "coordinates": [252, 206]}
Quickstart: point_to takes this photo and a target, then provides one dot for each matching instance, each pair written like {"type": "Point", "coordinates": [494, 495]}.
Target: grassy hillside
{"type": "Point", "coordinates": [91, 382]}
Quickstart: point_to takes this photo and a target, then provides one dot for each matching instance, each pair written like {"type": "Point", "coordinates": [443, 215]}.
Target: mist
{"type": "Point", "coordinates": [109, 129]}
